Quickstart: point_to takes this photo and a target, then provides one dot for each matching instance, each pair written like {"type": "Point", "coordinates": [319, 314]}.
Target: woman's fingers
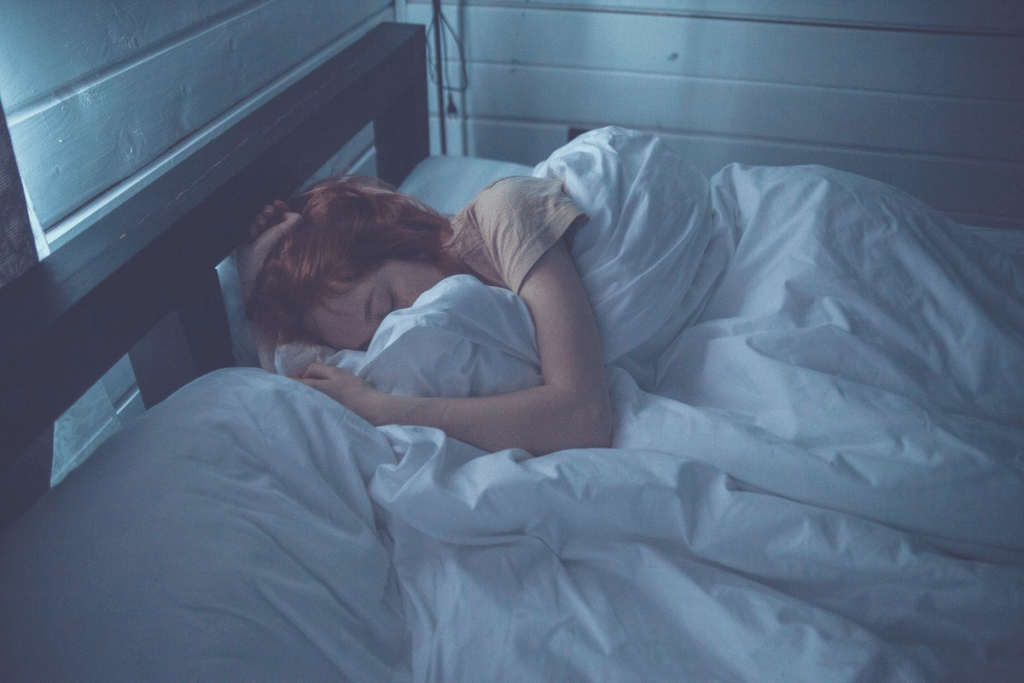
{"type": "Point", "coordinates": [322, 371]}
{"type": "Point", "coordinates": [344, 387]}
{"type": "Point", "coordinates": [286, 222]}
{"type": "Point", "coordinates": [270, 235]}
{"type": "Point", "coordinates": [251, 256]}
{"type": "Point", "coordinates": [261, 222]}
{"type": "Point", "coordinates": [268, 217]}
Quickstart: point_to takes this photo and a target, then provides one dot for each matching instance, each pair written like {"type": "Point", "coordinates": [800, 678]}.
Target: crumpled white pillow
{"type": "Point", "coordinates": [460, 338]}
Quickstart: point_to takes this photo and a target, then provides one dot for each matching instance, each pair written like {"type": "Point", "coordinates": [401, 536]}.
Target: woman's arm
{"type": "Point", "coordinates": [571, 409]}
{"type": "Point", "coordinates": [264, 233]}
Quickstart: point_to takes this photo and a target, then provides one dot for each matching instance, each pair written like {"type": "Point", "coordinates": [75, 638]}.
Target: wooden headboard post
{"type": "Point", "coordinates": [72, 316]}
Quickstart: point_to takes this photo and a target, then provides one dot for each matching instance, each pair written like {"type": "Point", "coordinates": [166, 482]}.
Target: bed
{"type": "Point", "coordinates": [817, 471]}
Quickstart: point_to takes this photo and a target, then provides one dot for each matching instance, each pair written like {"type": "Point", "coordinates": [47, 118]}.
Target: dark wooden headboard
{"type": "Point", "coordinates": [72, 316]}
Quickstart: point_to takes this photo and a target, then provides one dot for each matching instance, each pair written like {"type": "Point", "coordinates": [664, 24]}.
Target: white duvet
{"type": "Point", "coordinates": [817, 472]}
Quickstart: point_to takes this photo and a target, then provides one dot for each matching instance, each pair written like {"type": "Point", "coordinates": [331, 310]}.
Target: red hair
{"type": "Point", "coordinates": [350, 226]}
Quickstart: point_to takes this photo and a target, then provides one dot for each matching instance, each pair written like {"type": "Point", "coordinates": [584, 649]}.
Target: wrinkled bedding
{"type": "Point", "coordinates": [817, 471]}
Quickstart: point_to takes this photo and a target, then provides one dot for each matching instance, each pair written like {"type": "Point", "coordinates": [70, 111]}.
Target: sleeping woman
{"type": "Point", "coordinates": [360, 249]}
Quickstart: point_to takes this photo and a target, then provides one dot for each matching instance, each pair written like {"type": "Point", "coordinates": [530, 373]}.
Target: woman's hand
{"type": "Point", "coordinates": [345, 388]}
{"type": "Point", "coordinates": [270, 225]}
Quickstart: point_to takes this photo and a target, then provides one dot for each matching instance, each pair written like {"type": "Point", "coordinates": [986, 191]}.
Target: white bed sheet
{"type": "Point", "coordinates": [816, 476]}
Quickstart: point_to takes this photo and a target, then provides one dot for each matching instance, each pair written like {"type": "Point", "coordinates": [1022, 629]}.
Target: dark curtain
{"type": "Point", "coordinates": [17, 246]}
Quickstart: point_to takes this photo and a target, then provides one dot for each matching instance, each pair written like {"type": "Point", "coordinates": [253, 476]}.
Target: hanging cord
{"type": "Point", "coordinates": [440, 74]}
{"type": "Point", "coordinates": [439, 27]}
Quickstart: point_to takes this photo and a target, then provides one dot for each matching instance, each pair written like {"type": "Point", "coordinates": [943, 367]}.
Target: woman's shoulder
{"type": "Point", "coordinates": [511, 224]}
{"type": "Point", "coordinates": [522, 188]}
{"type": "Point", "coordinates": [518, 196]}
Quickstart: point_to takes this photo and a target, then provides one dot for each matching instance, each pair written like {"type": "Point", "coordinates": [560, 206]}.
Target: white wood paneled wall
{"type": "Point", "coordinates": [926, 95]}
{"type": "Point", "coordinates": [103, 94]}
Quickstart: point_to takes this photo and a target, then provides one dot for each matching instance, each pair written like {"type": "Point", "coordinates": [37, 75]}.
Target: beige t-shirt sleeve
{"type": "Point", "coordinates": [509, 226]}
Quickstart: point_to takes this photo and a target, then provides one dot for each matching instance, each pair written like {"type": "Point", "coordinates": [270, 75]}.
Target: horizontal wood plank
{"type": "Point", "coordinates": [81, 140]}
{"type": "Point", "coordinates": [836, 117]}
{"type": "Point", "coordinates": [92, 211]}
{"type": "Point", "coordinates": [994, 17]}
{"type": "Point", "coordinates": [47, 46]}
{"type": "Point", "coordinates": [904, 62]}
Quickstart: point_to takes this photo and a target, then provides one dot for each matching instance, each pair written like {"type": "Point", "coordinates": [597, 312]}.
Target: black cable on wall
{"type": "Point", "coordinates": [439, 65]}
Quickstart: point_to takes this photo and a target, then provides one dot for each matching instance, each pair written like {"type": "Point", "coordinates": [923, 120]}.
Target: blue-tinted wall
{"type": "Point", "coordinates": [925, 94]}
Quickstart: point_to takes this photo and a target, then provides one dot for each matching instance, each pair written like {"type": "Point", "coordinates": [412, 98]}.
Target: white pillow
{"type": "Point", "coordinates": [460, 338]}
{"type": "Point", "coordinates": [449, 183]}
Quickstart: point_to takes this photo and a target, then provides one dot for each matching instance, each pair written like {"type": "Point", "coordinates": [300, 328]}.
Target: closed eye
{"type": "Point", "coordinates": [378, 305]}
{"type": "Point", "coordinates": [368, 312]}
{"type": "Point", "coordinates": [373, 315]}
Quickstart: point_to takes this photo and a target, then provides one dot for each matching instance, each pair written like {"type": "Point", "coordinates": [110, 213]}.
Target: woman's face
{"type": "Point", "coordinates": [349, 319]}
